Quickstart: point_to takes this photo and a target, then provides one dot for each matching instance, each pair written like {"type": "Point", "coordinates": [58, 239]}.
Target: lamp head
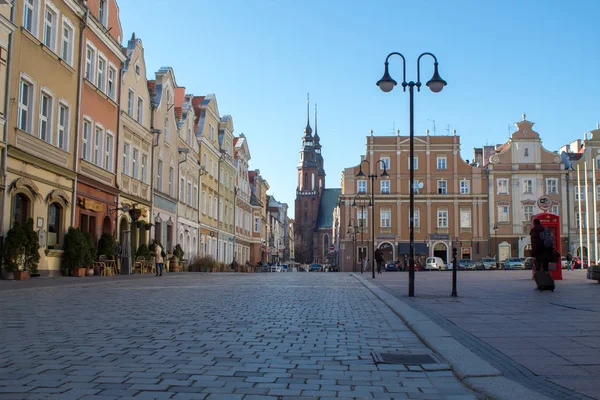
{"type": "Point", "coordinates": [436, 83]}
{"type": "Point", "coordinates": [354, 203]}
{"type": "Point", "coordinates": [386, 83]}
{"type": "Point", "coordinates": [360, 173]}
{"type": "Point", "coordinates": [384, 174]}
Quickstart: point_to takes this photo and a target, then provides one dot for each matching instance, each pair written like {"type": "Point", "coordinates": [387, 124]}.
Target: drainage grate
{"type": "Point", "coordinates": [408, 359]}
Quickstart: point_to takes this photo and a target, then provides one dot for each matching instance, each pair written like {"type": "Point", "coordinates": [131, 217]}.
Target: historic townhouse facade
{"type": "Point", "coordinates": [520, 172]}
{"type": "Point", "coordinates": [188, 226]}
{"type": "Point", "coordinates": [226, 178]}
{"type": "Point", "coordinates": [98, 136]}
{"type": "Point", "coordinates": [42, 122]}
{"type": "Point", "coordinates": [450, 202]}
{"type": "Point", "coordinates": [243, 208]}
{"type": "Point", "coordinates": [134, 156]}
{"type": "Point", "coordinates": [278, 244]}
{"type": "Point", "coordinates": [166, 158]}
{"type": "Point", "coordinates": [258, 200]}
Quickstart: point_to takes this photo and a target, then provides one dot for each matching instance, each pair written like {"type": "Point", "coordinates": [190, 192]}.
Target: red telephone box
{"type": "Point", "coordinates": [552, 223]}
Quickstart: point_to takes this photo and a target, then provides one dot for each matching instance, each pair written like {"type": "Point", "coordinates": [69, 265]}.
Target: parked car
{"type": "Point", "coordinates": [435, 263]}
{"type": "Point", "coordinates": [315, 267]}
{"type": "Point", "coordinates": [514, 263]}
{"type": "Point", "coordinates": [391, 266]}
{"type": "Point", "coordinates": [486, 263]}
{"type": "Point", "coordinates": [564, 263]}
{"type": "Point", "coordinates": [466, 264]}
{"type": "Point", "coordinates": [529, 263]}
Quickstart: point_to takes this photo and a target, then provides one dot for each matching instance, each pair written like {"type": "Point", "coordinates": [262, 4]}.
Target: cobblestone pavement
{"type": "Point", "coordinates": [209, 336]}
{"type": "Point", "coordinates": [546, 341]}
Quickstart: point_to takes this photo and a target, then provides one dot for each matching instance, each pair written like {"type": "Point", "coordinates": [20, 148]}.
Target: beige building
{"type": "Point", "coordinates": [520, 172]}
{"type": "Point", "coordinates": [42, 122]}
{"type": "Point", "coordinates": [258, 201]}
{"type": "Point", "coordinates": [243, 208]}
{"type": "Point", "coordinates": [226, 178]}
{"type": "Point", "coordinates": [450, 202]}
{"type": "Point", "coordinates": [135, 148]}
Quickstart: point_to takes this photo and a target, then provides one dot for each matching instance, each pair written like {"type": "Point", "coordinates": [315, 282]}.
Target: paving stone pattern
{"type": "Point", "coordinates": [210, 336]}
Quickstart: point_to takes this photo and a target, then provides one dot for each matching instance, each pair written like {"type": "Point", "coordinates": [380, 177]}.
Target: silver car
{"type": "Point", "coordinates": [487, 263]}
{"type": "Point", "coordinates": [514, 263]}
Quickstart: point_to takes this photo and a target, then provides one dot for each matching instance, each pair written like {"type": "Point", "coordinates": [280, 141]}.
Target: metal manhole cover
{"type": "Point", "coordinates": [408, 359]}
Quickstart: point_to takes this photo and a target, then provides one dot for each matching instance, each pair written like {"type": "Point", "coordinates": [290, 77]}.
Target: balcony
{"type": "Point", "coordinates": [41, 149]}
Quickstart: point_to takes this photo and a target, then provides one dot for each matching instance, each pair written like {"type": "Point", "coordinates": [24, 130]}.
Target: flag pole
{"type": "Point", "coordinates": [580, 218]}
{"type": "Point", "coordinates": [587, 215]}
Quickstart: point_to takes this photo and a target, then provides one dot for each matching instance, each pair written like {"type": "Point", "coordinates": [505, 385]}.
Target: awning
{"type": "Point", "coordinates": [420, 248]}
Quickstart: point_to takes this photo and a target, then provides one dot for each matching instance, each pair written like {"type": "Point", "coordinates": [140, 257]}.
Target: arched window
{"type": "Point", "coordinates": [181, 243]}
{"type": "Point", "coordinates": [21, 209]}
{"type": "Point", "coordinates": [55, 225]}
{"type": "Point", "coordinates": [194, 246]}
{"type": "Point", "coordinates": [188, 247]}
{"type": "Point", "coordinates": [312, 182]}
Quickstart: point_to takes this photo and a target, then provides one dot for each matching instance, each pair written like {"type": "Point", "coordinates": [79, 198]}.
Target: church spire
{"type": "Point", "coordinates": [308, 129]}
{"type": "Point", "coordinates": [317, 139]}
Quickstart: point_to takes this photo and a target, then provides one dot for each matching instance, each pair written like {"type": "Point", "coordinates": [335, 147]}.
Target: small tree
{"type": "Point", "coordinates": [143, 251]}
{"type": "Point", "coordinates": [15, 247]}
{"type": "Point", "coordinates": [76, 251]}
{"type": "Point", "coordinates": [179, 253]}
{"type": "Point", "coordinates": [90, 253]}
{"type": "Point", "coordinates": [107, 245]}
{"type": "Point", "coordinates": [32, 247]}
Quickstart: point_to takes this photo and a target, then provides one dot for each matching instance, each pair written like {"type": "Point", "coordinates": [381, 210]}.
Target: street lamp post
{"type": "Point", "coordinates": [352, 232]}
{"type": "Point", "coordinates": [372, 177]}
{"type": "Point", "coordinates": [495, 228]}
{"type": "Point", "coordinates": [435, 84]}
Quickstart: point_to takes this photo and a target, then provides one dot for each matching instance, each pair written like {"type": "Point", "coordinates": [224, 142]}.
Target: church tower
{"type": "Point", "coordinates": [311, 183]}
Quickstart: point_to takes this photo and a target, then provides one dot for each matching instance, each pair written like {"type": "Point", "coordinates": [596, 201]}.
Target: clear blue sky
{"type": "Point", "coordinates": [260, 58]}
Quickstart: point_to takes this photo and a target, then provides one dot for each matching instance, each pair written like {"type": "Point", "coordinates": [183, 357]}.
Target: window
{"type": "Point", "coordinates": [195, 200]}
{"type": "Point", "coordinates": [221, 211]}
{"type": "Point", "coordinates": [465, 218]}
{"type": "Point", "coordinates": [181, 189]}
{"type": "Point", "coordinates": [528, 186]}
{"type": "Point", "coordinates": [171, 173]}
{"type": "Point", "coordinates": [62, 128]}
{"type": "Point", "coordinates": [189, 194]}
{"type": "Point", "coordinates": [527, 212]}
{"type": "Point", "coordinates": [385, 218]}
{"type": "Point", "coordinates": [30, 15]}
{"type": "Point", "coordinates": [112, 73]}
{"type": "Point", "coordinates": [144, 168]}
{"type": "Point", "coordinates": [503, 213]}
{"type": "Point", "coordinates": [204, 203]}
{"type": "Point", "coordinates": [502, 185]}
{"type": "Point", "coordinates": [442, 218]}
{"type": "Point", "coordinates": [55, 216]}
{"type": "Point", "coordinates": [103, 12]}
{"type": "Point", "coordinates": [580, 221]}
{"type": "Point", "coordinates": [417, 218]}
{"type": "Point", "coordinates": [90, 59]}
{"type": "Point", "coordinates": [204, 160]}
{"type": "Point", "coordinates": [526, 152]}
{"type": "Point", "coordinates": [159, 175]}
{"type": "Point", "coordinates": [210, 206]}
{"type": "Point", "coordinates": [46, 118]}
{"type": "Point", "coordinates": [130, 95]}
{"type": "Point", "coordinates": [98, 141]}
{"type": "Point", "coordinates": [212, 132]}
{"type": "Point", "coordinates": [361, 218]}
{"type": "Point", "coordinates": [140, 110]}
{"type": "Point", "coordinates": [441, 187]}
{"type": "Point", "coordinates": [256, 224]}
{"type": "Point", "coordinates": [166, 130]}
{"type": "Point", "coordinates": [415, 163]}
{"type": "Point", "coordinates": [362, 186]}
{"type": "Point", "coordinates": [211, 168]}
{"type": "Point", "coordinates": [189, 136]}
{"type": "Point", "coordinates": [555, 209]}
{"type": "Point", "coordinates": [385, 186]}
{"type": "Point", "coordinates": [551, 185]}
{"type": "Point", "coordinates": [598, 163]}
{"type": "Point", "coordinates": [21, 209]}
{"type": "Point", "coordinates": [101, 74]}
{"type": "Point", "coordinates": [85, 140]}
{"type": "Point", "coordinates": [386, 161]}
{"type": "Point", "coordinates": [134, 163]}
{"type": "Point", "coordinates": [108, 152]}
{"type": "Point", "coordinates": [126, 150]}
{"type": "Point", "coordinates": [25, 105]}
{"type": "Point", "coordinates": [465, 186]}
{"type": "Point", "coordinates": [50, 28]}
{"type": "Point", "coordinates": [66, 49]}
{"type": "Point", "coordinates": [441, 163]}
{"type": "Point", "coordinates": [577, 192]}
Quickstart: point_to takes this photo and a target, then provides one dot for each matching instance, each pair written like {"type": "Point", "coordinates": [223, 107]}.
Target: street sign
{"type": "Point", "coordinates": [331, 247]}
{"type": "Point", "coordinates": [544, 203]}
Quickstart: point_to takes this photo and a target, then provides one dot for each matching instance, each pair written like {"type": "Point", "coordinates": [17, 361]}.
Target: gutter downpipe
{"type": "Point", "coordinates": [78, 110]}
{"type": "Point", "coordinates": [153, 132]}
{"type": "Point", "coordinates": [117, 152]}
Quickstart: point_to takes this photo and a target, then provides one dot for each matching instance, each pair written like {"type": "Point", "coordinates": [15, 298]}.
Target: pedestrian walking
{"type": "Point", "coordinates": [379, 259]}
{"type": "Point", "coordinates": [540, 248]}
{"type": "Point", "coordinates": [159, 255]}
{"type": "Point", "coordinates": [570, 261]}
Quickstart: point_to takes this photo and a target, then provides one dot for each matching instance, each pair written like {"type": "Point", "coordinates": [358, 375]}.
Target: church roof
{"type": "Point", "coordinates": [329, 199]}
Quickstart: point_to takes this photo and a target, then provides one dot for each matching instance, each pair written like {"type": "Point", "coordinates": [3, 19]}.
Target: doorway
{"type": "Point", "coordinates": [441, 250]}
{"type": "Point", "coordinates": [388, 251]}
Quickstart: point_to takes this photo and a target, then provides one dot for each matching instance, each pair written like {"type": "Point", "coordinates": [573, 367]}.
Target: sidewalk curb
{"type": "Point", "coordinates": [471, 369]}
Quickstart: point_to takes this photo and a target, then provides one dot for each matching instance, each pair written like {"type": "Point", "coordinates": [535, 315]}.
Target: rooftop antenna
{"type": "Point", "coordinates": [510, 129]}
{"type": "Point", "coordinates": [433, 120]}
{"type": "Point", "coordinates": [448, 129]}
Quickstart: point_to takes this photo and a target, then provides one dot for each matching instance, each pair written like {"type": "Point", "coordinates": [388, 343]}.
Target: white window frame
{"type": "Point", "coordinates": [167, 135]}
{"type": "Point", "coordinates": [68, 53]}
{"type": "Point", "coordinates": [527, 186]}
{"type": "Point", "coordinates": [386, 161]}
{"type": "Point", "coordinates": [98, 156]}
{"type": "Point", "coordinates": [135, 153]}
{"type": "Point", "coordinates": [101, 72]}
{"type": "Point", "coordinates": [503, 211]}
{"type": "Point", "coordinates": [465, 186]}
{"type": "Point", "coordinates": [111, 87]}
{"type": "Point", "coordinates": [465, 218]}
{"type": "Point", "coordinates": [361, 186]}
{"type": "Point", "coordinates": [109, 145]}
{"type": "Point", "coordinates": [130, 98]}
{"type": "Point", "coordinates": [528, 210]}
{"type": "Point", "coordinates": [577, 192]}
{"type": "Point", "coordinates": [171, 183]}
{"type": "Point", "coordinates": [103, 13]}
{"type": "Point", "coordinates": [34, 7]}
{"type": "Point", "coordinates": [144, 168]}
{"type": "Point", "coordinates": [159, 172]}
{"type": "Point", "coordinates": [63, 130]}
{"type": "Point", "coordinates": [195, 199]}
{"type": "Point", "coordinates": [385, 218]}
{"type": "Point", "coordinates": [86, 138]}
{"type": "Point", "coordinates": [580, 218]}
{"type": "Point", "coordinates": [204, 202]}
{"type": "Point", "coordinates": [415, 162]}
{"type": "Point", "coordinates": [442, 218]}
{"type": "Point", "coordinates": [384, 186]}
{"type": "Point", "coordinates": [140, 110]}
{"type": "Point", "coordinates": [500, 182]}
{"type": "Point", "coordinates": [210, 206]}
{"type": "Point", "coordinates": [362, 218]}
{"type": "Point", "coordinates": [46, 120]}
{"type": "Point", "coordinates": [181, 189]}
{"type": "Point", "coordinates": [442, 163]}
{"type": "Point", "coordinates": [126, 159]}
{"type": "Point", "coordinates": [189, 193]}
{"type": "Point", "coordinates": [598, 163]}
{"type": "Point", "coordinates": [256, 223]}
{"type": "Point", "coordinates": [28, 109]}
{"type": "Point", "coordinates": [417, 218]}
{"type": "Point", "coordinates": [50, 38]}
{"type": "Point", "coordinates": [442, 186]}
{"type": "Point", "coordinates": [551, 185]}
{"type": "Point", "coordinates": [90, 63]}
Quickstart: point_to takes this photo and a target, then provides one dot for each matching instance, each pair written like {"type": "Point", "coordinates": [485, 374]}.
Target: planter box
{"type": "Point", "coordinates": [21, 275]}
{"type": "Point", "coordinates": [593, 273]}
{"type": "Point", "coordinates": [79, 272]}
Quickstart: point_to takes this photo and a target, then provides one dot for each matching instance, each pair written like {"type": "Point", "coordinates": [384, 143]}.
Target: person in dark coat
{"type": "Point", "coordinates": [538, 250]}
{"type": "Point", "coordinates": [379, 259]}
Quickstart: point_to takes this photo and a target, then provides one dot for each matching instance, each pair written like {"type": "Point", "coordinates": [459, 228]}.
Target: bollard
{"type": "Point", "coordinates": [454, 270]}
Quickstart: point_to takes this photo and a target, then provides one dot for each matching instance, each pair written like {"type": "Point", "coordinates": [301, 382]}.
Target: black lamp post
{"type": "Point", "coordinates": [435, 84]}
{"type": "Point", "coordinates": [352, 233]}
{"type": "Point", "coordinates": [372, 177]}
{"type": "Point", "coordinates": [360, 221]}
{"type": "Point", "coordinates": [495, 228]}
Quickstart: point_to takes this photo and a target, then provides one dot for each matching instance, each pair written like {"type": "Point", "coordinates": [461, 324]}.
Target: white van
{"type": "Point", "coordinates": [435, 263]}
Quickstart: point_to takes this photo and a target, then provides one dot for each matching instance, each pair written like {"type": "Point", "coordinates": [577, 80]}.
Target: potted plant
{"type": "Point", "coordinates": [32, 249]}
{"type": "Point", "coordinates": [15, 245]}
{"type": "Point", "coordinates": [147, 226]}
{"type": "Point", "coordinates": [177, 258]}
{"type": "Point", "coordinates": [90, 254]}
{"type": "Point", "coordinates": [76, 255]}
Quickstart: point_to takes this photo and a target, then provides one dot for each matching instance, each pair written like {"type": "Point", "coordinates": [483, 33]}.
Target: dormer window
{"type": "Point", "coordinates": [526, 152]}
